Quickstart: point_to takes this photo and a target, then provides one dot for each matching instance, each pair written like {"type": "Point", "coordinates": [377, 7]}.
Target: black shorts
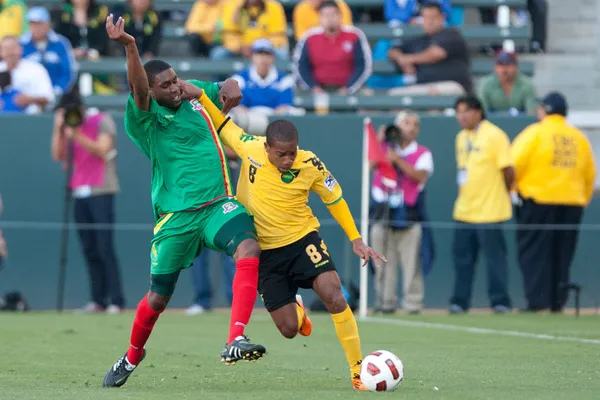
{"type": "Point", "coordinates": [283, 270]}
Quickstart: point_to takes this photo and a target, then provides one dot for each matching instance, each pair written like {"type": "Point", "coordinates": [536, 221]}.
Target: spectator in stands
{"type": "Point", "coordinates": [399, 208]}
{"type": "Point", "coordinates": [484, 176]}
{"type": "Point", "coordinates": [266, 90]}
{"type": "Point", "coordinates": [8, 95]}
{"type": "Point", "coordinates": [333, 57]}
{"type": "Point", "coordinates": [306, 15]}
{"type": "Point", "coordinates": [50, 49]}
{"type": "Point", "coordinates": [538, 10]}
{"type": "Point", "coordinates": [12, 18]}
{"type": "Point", "coordinates": [438, 61]}
{"type": "Point", "coordinates": [244, 21]}
{"type": "Point", "coordinates": [94, 184]}
{"type": "Point", "coordinates": [507, 89]}
{"type": "Point", "coordinates": [29, 78]}
{"type": "Point", "coordinates": [407, 12]}
{"type": "Point", "coordinates": [145, 25]}
{"type": "Point", "coordinates": [83, 23]}
{"type": "Point", "coordinates": [202, 26]}
{"type": "Point", "coordinates": [555, 179]}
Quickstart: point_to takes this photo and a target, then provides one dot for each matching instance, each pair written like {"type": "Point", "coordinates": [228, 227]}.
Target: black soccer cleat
{"type": "Point", "coordinates": [241, 349]}
{"type": "Point", "coordinates": [120, 372]}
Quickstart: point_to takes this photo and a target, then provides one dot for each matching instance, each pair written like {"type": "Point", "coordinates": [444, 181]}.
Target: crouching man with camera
{"type": "Point", "coordinates": [398, 210]}
{"type": "Point", "coordinates": [85, 144]}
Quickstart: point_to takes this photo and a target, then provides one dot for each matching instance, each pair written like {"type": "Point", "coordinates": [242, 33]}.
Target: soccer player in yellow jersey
{"type": "Point", "coordinates": [275, 180]}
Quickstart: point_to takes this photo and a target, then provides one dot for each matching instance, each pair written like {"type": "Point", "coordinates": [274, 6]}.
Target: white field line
{"type": "Point", "coordinates": [481, 331]}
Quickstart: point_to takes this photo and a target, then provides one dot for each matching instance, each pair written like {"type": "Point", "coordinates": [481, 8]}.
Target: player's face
{"type": "Point", "coordinates": [282, 155]}
{"type": "Point", "coordinates": [166, 90]}
{"type": "Point", "coordinates": [541, 113]}
{"type": "Point", "coordinates": [467, 117]}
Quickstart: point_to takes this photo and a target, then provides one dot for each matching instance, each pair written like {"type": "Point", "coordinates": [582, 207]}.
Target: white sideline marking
{"type": "Point", "coordinates": [481, 331]}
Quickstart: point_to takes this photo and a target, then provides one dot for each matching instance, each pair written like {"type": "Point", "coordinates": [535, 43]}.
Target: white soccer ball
{"type": "Point", "coordinates": [381, 371]}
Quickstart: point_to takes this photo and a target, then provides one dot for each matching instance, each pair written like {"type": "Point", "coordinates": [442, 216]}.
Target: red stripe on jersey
{"type": "Point", "coordinates": [213, 133]}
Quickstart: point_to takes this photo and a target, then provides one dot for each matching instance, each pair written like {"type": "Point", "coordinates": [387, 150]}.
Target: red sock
{"type": "Point", "coordinates": [145, 318]}
{"type": "Point", "coordinates": [245, 285]}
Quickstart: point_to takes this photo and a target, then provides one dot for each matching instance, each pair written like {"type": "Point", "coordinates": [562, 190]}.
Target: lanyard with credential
{"type": "Point", "coordinates": [462, 175]}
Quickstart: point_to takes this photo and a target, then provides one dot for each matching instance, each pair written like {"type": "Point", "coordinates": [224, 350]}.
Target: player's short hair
{"type": "Point", "coordinates": [153, 68]}
{"type": "Point", "coordinates": [329, 3]}
{"type": "Point", "coordinates": [281, 131]}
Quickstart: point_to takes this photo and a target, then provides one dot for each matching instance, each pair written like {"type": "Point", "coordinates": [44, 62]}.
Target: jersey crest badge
{"type": "Point", "coordinates": [229, 207]}
{"type": "Point", "coordinates": [330, 182]}
{"type": "Point", "coordinates": [196, 105]}
{"type": "Point", "coordinates": [289, 176]}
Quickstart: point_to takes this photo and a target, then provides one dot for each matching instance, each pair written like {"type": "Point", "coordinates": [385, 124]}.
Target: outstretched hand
{"type": "Point", "coordinates": [116, 31]}
{"type": "Point", "coordinates": [366, 253]}
{"type": "Point", "coordinates": [230, 95]}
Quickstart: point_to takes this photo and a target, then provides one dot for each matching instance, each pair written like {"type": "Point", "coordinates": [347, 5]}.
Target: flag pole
{"type": "Point", "coordinates": [364, 219]}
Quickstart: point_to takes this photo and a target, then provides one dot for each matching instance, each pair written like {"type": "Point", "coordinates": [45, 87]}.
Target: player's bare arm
{"type": "Point", "coordinates": [136, 76]}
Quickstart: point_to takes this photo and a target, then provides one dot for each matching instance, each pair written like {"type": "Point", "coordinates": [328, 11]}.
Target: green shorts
{"type": "Point", "coordinates": [179, 237]}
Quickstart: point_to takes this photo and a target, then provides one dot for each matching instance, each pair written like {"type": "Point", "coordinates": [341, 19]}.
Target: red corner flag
{"type": "Point", "coordinates": [376, 154]}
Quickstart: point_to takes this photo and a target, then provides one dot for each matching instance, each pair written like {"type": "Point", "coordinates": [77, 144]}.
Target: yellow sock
{"type": "Point", "coordinates": [300, 313]}
{"type": "Point", "coordinates": [347, 332]}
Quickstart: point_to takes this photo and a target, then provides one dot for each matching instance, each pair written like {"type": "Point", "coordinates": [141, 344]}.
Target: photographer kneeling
{"type": "Point", "coordinates": [398, 208]}
{"type": "Point", "coordinates": [87, 143]}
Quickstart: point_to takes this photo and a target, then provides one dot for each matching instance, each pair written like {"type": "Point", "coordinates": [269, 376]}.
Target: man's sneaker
{"type": "Point", "coordinates": [241, 349]}
{"type": "Point", "coordinates": [113, 309]}
{"type": "Point", "coordinates": [306, 328]}
{"type": "Point", "coordinates": [195, 309]}
{"type": "Point", "coordinates": [119, 373]}
{"type": "Point", "coordinates": [357, 383]}
{"type": "Point", "coordinates": [499, 309]}
{"type": "Point", "coordinates": [455, 309]}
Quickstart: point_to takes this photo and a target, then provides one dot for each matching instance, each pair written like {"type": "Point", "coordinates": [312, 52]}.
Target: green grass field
{"type": "Point", "coordinates": [49, 356]}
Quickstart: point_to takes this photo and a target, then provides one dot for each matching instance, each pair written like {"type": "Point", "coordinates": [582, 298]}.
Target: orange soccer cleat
{"type": "Point", "coordinates": [306, 327]}
{"type": "Point", "coordinates": [357, 383]}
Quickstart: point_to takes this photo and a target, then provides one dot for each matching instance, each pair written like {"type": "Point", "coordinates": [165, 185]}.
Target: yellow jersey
{"type": "Point", "coordinates": [203, 20]}
{"type": "Point", "coordinates": [481, 155]}
{"type": "Point", "coordinates": [554, 163]}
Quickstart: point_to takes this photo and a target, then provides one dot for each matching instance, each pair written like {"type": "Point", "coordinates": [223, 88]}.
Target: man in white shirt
{"type": "Point", "coordinates": [29, 78]}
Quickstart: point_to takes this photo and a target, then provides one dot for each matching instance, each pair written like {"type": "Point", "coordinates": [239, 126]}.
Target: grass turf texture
{"type": "Point", "coordinates": [49, 356]}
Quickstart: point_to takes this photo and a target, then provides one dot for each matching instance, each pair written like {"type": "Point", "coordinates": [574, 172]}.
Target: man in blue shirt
{"type": "Point", "coordinates": [264, 88]}
{"type": "Point", "coordinates": [53, 51]}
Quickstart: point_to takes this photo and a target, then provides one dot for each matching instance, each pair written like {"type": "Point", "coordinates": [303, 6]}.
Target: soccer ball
{"type": "Point", "coordinates": [381, 371]}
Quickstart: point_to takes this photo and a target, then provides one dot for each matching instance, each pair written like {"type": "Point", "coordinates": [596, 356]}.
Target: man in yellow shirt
{"type": "Point", "coordinates": [306, 15]}
{"type": "Point", "coordinates": [275, 180]}
{"type": "Point", "coordinates": [13, 21]}
{"type": "Point", "coordinates": [202, 26]}
{"type": "Point", "coordinates": [485, 174]}
{"type": "Point", "coordinates": [244, 21]}
{"type": "Point", "coordinates": [555, 179]}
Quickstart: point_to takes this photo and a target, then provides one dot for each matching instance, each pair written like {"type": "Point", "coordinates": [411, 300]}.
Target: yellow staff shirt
{"type": "Point", "coordinates": [554, 163]}
{"type": "Point", "coordinates": [203, 20]}
{"type": "Point", "coordinates": [481, 155]}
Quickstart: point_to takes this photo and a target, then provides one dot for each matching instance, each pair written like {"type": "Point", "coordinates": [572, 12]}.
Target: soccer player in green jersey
{"type": "Point", "coordinates": [192, 198]}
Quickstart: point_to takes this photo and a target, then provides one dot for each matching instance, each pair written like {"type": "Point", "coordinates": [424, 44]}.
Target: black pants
{"type": "Point", "coordinates": [98, 249]}
{"type": "Point", "coordinates": [469, 239]}
{"type": "Point", "coordinates": [538, 10]}
{"type": "Point", "coordinates": [198, 46]}
{"type": "Point", "coordinates": [545, 255]}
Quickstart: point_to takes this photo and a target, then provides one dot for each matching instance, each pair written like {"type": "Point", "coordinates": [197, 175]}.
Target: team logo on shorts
{"type": "Point", "coordinates": [196, 105]}
{"type": "Point", "coordinates": [229, 207]}
{"type": "Point", "coordinates": [330, 182]}
{"type": "Point", "coordinates": [289, 176]}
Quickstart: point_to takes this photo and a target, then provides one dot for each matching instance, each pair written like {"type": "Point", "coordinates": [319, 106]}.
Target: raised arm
{"type": "Point", "coordinates": [136, 76]}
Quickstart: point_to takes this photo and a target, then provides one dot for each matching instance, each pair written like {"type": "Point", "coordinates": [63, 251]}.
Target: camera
{"type": "Point", "coordinates": [5, 80]}
{"type": "Point", "coordinates": [72, 105]}
{"type": "Point", "coordinates": [393, 134]}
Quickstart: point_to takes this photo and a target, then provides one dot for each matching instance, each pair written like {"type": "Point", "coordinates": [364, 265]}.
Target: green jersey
{"type": "Point", "coordinates": [189, 166]}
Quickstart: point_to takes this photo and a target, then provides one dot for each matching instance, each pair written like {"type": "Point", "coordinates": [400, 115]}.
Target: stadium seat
{"type": "Point", "coordinates": [187, 4]}
{"type": "Point", "coordinates": [336, 102]}
{"type": "Point", "coordinates": [196, 66]}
